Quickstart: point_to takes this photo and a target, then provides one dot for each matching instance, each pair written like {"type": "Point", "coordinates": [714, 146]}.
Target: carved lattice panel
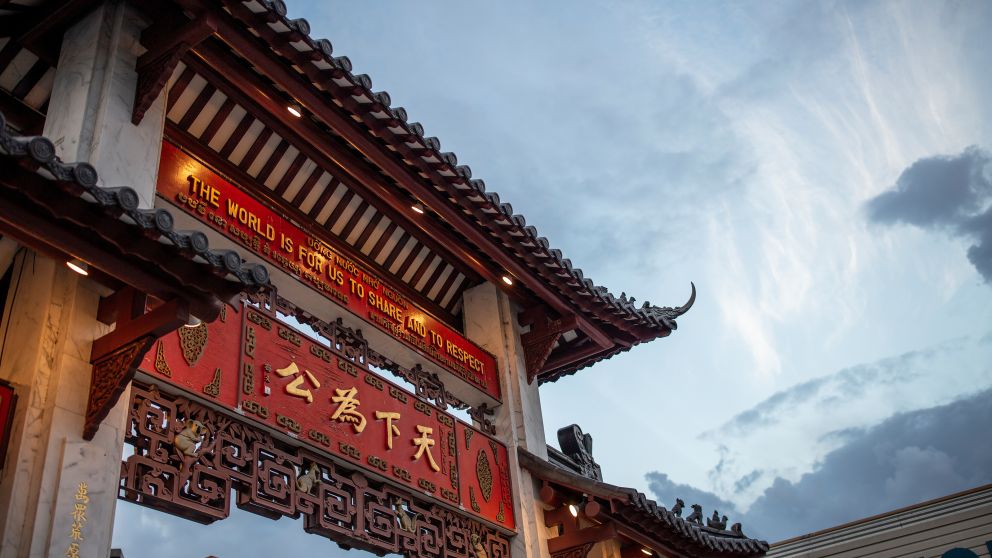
{"type": "Point", "coordinates": [190, 459]}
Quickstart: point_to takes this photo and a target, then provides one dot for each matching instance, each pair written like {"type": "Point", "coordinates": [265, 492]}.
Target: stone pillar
{"type": "Point", "coordinates": [89, 114]}
{"type": "Point", "coordinates": [49, 321]}
{"type": "Point", "coordinates": [47, 330]}
{"type": "Point", "coordinates": [491, 321]}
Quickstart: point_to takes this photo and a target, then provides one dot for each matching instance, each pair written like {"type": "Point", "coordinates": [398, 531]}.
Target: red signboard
{"type": "Point", "coordinates": [259, 366]}
{"type": "Point", "coordinates": [229, 210]}
{"type": "Point", "coordinates": [295, 384]}
{"type": "Point", "coordinates": [484, 470]}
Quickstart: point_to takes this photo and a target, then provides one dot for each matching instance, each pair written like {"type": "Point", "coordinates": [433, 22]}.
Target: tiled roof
{"type": "Point", "coordinates": [119, 205]}
{"type": "Point", "coordinates": [422, 154]}
{"type": "Point", "coordinates": [637, 511]}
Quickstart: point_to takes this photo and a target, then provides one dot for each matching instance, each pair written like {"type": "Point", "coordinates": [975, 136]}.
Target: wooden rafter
{"type": "Point", "coordinates": [43, 29]}
{"type": "Point", "coordinates": [254, 95]}
{"type": "Point", "coordinates": [233, 172]}
{"type": "Point", "coordinates": [301, 88]}
{"type": "Point", "coordinates": [167, 40]}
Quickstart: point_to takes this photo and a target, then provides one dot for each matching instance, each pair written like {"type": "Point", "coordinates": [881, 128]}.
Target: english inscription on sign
{"type": "Point", "coordinates": [240, 217]}
{"type": "Point", "coordinates": [327, 399]}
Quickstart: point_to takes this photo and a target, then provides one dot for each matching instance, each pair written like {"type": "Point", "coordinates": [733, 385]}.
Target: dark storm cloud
{"type": "Point", "coordinates": [951, 194]}
{"type": "Point", "coordinates": [848, 383]}
{"type": "Point", "coordinates": [666, 491]}
{"type": "Point", "coordinates": [905, 459]}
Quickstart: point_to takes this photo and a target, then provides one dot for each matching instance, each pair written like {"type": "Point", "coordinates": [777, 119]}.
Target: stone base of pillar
{"type": "Point", "coordinates": [47, 329]}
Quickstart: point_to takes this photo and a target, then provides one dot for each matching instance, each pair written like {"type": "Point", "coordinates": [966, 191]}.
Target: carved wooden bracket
{"type": "Point", "coordinates": [167, 41]}
{"type": "Point", "coordinates": [541, 338]}
{"type": "Point", "coordinates": [577, 543]}
{"type": "Point", "coordinates": [574, 552]}
{"type": "Point", "coordinates": [111, 375]}
{"type": "Point", "coordinates": [116, 355]}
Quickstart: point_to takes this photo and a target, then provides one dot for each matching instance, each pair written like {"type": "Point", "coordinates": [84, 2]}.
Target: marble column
{"type": "Point", "coordinates": [49, 321]}
{"type": "Point", "coordinates": [89, 114]}
{"type": "Point", "coordinates": [47, 330]}
{"type": "Point", "coordinates": [490, 321]}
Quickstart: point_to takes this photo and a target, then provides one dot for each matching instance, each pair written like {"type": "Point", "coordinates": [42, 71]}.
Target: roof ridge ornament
{"type": "Point", "coordinates": [668, 314]}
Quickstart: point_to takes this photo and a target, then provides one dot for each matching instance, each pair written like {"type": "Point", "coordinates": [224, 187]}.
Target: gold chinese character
{"type": "Point", "coordinates": [424, 443]}
{"type": "Point", "coordinates": [348, 408]}
{"type": "Point", "coordinates": [76, 531]}
{"type": "Point", "coordinates": [82, 493]}
{"type": "Point", "coordinates": [72, 551]}
{"type": "Point", "coordinates": [391, 429]}
{"type": "Point", "coordinates": [293, 388]}
{"type": "Point", "coordinates": [79, 513]}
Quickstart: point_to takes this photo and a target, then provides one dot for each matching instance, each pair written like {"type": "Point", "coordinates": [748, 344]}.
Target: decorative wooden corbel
{"type": "Point", "coordinates": [167, 41]}
{"type": "Point", "coordinates": [541, 338]}
{"type": "Point", "coordinates": [579, 543]}
{"type": "Point", "coordinates": [116, 355]}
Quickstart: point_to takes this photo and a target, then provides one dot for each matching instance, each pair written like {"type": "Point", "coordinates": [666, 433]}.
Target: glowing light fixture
{"type": "Point", "coordinates": [507, 280]}
{"type": "Point", "coordinates": [572, 509]}
{"type": "Point", "coordinates": [192, 321]}
{"type": "Point", "coordinates": [78, 266]}
{"type": "Point", "coordinates": [295, 110]}
{"type": "Point", "coordinates": [646, 551]}
{"type": "Point", "coordinates": [418, 208]}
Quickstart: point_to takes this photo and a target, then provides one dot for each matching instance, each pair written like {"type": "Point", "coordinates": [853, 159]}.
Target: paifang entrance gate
{"type": "Point", "coordinates": [295, 425]}
{"type": "Point", "coordinates": [181, 183]}
{"type": "Point", "coordinates": [365, 463]}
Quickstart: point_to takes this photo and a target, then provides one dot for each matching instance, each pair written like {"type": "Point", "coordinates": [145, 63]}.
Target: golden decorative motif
{"type": "Point", "coordinates": [250, 340]}
{"type": "Point", "coordinates": [478, 547]}
{"type": "Point", "coordinates": [468, 438]}
{"type": "Point", "coordinates": [471, 498]}
{"type": "Point", "coordinates": [501, 516]}
{"type": "Point", "coordinates": [484, 475]}
{"type": "Point", "coordinates": [192, 340]}
{"type": "Point", "coordinates": [248, 379]}
{"type": "Point", "coordinates": [306, 481]}
{"type": "Point", "coordinates": [406, 519]}
{"type": "Point", "coordinates": [162, 365]}
{"type": "Point", "coordinates": [213, 388]}
{"type": "Point", "coordinates": [223, 313]}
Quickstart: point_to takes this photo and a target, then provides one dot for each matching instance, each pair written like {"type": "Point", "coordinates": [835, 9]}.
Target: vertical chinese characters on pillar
{"type": "Point", "coordinates": [80, 503]}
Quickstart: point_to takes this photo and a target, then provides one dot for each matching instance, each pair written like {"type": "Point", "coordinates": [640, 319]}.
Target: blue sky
{"type": "Point", "coordinates": [820, 170]}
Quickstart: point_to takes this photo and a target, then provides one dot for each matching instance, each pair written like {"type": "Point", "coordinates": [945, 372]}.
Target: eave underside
{"type": "Point", "coordinates": [350, 169]}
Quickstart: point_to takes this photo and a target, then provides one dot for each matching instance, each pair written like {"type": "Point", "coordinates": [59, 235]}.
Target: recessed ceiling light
{"type": "Point", "coordinates": [78, 266]}
{"type": "Point", "coordinates": [192, 321]}
{"type": "Point", "coordinates": [418, 207]}
{"type": "Point", "coordinates": [572, 509]}
{"type": "Point", "coordinates": [507, 280]}
{"type": "Point", "coordinates": [295, 110]}
{"type": "Point", "coordinates": [646, 551]}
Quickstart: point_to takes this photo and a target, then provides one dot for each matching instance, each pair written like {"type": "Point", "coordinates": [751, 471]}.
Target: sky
{"type": "Point", "coordinates": [820, 170]}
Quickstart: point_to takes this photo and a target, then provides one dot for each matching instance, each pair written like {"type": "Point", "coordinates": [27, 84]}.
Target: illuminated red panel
{"type": "Point", "coordinates": [299, 386]}
{"type": "Point", "coordinates": [230, 211]}
{"type": "Point", "coordinates": [484, 475]}
{"type": "Point", "coordinates": [202, 360]}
